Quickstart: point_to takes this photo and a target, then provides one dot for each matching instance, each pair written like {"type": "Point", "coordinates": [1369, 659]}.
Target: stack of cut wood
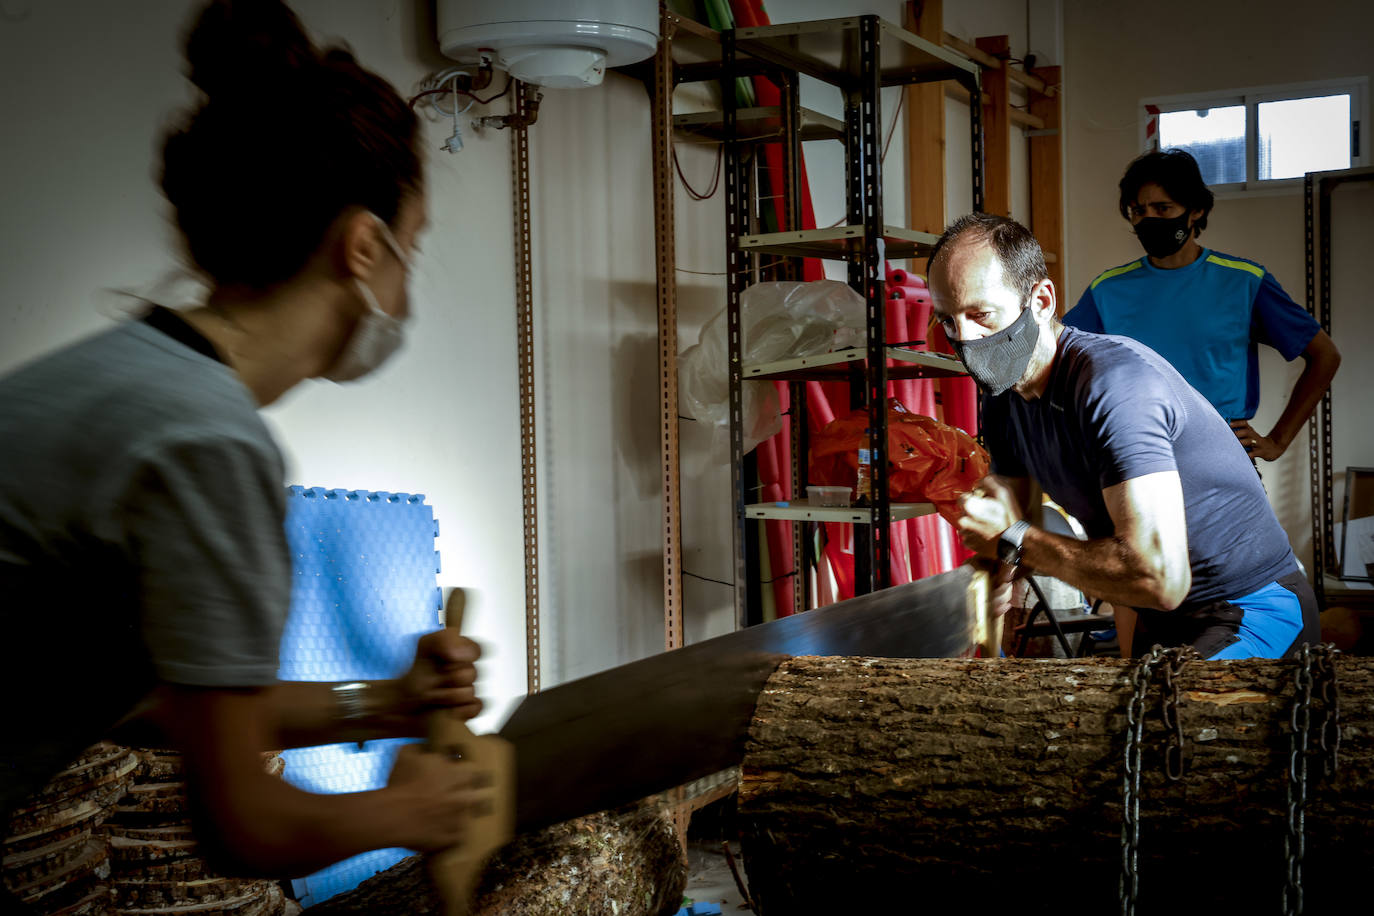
{"type": "Point", "coordinates": [627, 862]}
{"type": "Point", "coordinates": [156, 866]}
{"type": "Point", "coordinates": [56, 860]}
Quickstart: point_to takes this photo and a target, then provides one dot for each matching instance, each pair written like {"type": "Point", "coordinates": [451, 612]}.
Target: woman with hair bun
{"type": "Point", "coordinates": [143, 558]}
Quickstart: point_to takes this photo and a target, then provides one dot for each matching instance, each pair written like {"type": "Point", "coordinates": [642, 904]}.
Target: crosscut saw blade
{"type": "Point", "coordinates": [618, 736]}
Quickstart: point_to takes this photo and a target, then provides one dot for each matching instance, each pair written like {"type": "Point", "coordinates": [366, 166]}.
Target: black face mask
{"type": "Point", "coordinates": [1161, 237]}
{"type": "Point", "coordinates": [998, 361]}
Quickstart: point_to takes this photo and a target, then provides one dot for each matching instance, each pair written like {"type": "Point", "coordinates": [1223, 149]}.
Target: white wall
{"type": "Point", "coordinates": [85, 88]}
{"type": "Point", "coordinates": [594, 248]}
{"type": "Point", "coordinates": [1195, 47]}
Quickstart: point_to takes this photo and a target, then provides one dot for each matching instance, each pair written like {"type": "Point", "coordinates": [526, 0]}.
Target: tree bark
{"type": "Point", "coordinates": [627, 862]}
{"type": "Point", "coordinates": [872, 780]}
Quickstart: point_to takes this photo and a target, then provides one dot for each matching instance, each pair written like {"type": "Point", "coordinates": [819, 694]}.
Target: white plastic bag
{"type": "Point", "coordinates": [778, 321]}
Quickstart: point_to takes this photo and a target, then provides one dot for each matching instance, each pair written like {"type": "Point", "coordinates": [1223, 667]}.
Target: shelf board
{"type": "Point", "coordinates": [1346, 588]}
{"type": "Point", "coordinates": [755, 124]}
{"type": "Point", "coordinates": [833, 365]}
{"type": "Point", "coordinates": [828, 49]}
{"type": "Point", "coordinates": [837, 243]}
{"type": "Point", "coordinates": [801, 511]}
{"type": "Point", "coordinates": [694, 44]}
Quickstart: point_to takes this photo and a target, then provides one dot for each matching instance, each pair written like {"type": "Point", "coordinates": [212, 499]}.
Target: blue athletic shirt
{"type": "Point", "coordinates": [1114, 410]}
{"type": "Point", "coordinates": [1205, 319]}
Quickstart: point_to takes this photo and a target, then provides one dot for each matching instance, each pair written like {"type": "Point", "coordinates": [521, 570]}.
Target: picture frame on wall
{"type": "Point", "coordinates": [1356, 555]}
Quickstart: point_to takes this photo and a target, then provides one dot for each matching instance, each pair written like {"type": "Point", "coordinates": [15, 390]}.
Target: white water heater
{"type": "Point", "coordinates": [563, 44]}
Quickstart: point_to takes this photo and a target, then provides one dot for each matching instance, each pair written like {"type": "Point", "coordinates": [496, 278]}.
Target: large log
{"type": "Point", "coordinates": [931, 781]}
{"type": "Point", "coordinates": [627, 862]}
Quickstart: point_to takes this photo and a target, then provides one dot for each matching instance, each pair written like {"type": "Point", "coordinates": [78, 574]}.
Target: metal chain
{"type": "Point", "coordinates": [1130, 783]}
{"type": "Point", "coordinates": [1174, 660]}
{"type": "Point", "coordinates": [1170, 662]}
{"type": "Point", "coordinates": [1324, 679]}
{"type": "Point", "coordinates": [1321, 659]}
{"type": "Point", "coordinates": [1294, 839]}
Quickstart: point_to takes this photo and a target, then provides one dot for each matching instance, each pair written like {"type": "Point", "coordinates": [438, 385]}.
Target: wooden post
{"type": "Point", "coordinates": [996, 128]}
{"type": "Point", "coordinates": [925, 128]}
{"type": "Point", "coordinates": [1046, 180]}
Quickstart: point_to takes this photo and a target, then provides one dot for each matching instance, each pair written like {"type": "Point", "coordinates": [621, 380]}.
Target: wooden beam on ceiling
{"type": "Point", "coordinates": [988, 61]}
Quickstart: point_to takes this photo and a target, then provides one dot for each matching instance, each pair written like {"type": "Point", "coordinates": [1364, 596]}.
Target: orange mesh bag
{"type": "Point", "coordinates": [928, 461]}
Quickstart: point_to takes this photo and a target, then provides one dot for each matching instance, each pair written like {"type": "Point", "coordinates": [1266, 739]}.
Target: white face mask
{"type": "Point", "coordinates": [377, 335]}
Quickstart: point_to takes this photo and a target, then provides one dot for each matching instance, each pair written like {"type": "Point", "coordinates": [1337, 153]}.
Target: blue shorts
{"type": "Point", "coordinates": [1270, 622]}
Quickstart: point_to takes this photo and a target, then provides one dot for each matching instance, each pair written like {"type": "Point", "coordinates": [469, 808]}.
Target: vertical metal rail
{"type": "Point", "coordinates": [975, 120]}
{"type": "Point", "coordinates": [790, 93]}
{"type": "Point", "coordinates": [1313, 449]}
{"type": "Point", "coordinates": [790, 85]}
{"type": "Point", "coordinates": [524, 341]}
{"type": "Point", "coordinates": [1324, 187]}
{"type": "Point", "coordinates": [864, 178]}
{"type": "Point", "coordinates": [736, 225]}
{"type": "Point", "coordinates": [661, 118]}
{"type": "Point", "coordinates": [975, 123]}
{"type": "Point", "coordinates": [665, 260]}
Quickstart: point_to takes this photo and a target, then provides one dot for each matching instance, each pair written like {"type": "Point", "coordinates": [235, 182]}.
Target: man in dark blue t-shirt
{"type": "Point", "coordinates": [1178, 524]}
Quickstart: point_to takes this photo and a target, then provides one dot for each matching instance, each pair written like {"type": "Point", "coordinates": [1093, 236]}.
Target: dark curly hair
{"type": "Point", "coordinates": [1177, 172]}
{"type": "Point", "coordinates": [285, 138]}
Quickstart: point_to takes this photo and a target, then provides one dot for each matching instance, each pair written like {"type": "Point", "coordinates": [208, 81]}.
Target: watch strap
{"type": "Point", "coordinates": [1009, 544]}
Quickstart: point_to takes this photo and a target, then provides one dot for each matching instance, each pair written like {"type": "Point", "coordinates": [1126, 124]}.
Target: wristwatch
{"type": "Point", "coordinates": [351, 705]}
{"type": "Point", "coordinates": [1009, 544]}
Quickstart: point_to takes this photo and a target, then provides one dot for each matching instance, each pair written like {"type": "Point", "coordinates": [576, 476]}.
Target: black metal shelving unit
{"type": "Point", "coordinates": [858, 56]}
{"type": "Point", "coordinates": [1318, 187]}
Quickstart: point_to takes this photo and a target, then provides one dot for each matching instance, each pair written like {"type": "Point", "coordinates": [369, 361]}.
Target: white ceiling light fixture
{"type": "Point", "coordinates": [559, 44]}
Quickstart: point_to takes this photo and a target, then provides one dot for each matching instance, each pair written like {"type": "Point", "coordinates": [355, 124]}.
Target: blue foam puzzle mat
{"type": "Point", "coordinates": [363, 591]}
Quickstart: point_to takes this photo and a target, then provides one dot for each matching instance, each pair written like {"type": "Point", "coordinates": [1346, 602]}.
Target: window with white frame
{"type": "Point", "coordinates": [1263, 137]}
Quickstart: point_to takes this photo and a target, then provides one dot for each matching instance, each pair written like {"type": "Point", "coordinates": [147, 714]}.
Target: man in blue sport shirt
{"type": "Point", "coordinates": [1203, 311]}
{"type": "Point", "coordinates": [1178, 524]}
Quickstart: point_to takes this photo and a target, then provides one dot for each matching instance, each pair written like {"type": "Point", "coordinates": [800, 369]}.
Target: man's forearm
{"type": "Point", "coordinates": [1106, 568]}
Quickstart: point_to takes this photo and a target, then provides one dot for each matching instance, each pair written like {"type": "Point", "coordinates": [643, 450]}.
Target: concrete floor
{"type": "Point", "coordinates": [709, 879]}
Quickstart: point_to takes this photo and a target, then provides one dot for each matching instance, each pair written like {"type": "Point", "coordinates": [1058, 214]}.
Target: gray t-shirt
{"type": "Point", "coordinates": [1114, 410]}
{"type": "Point", "coordinates": [141, 540]}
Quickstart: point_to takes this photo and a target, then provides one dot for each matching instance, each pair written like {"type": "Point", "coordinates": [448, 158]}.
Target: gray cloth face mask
{"type": "Point", "coordinates": [998, 361]}
{"type": "Point", "coordinates": [377, 335]}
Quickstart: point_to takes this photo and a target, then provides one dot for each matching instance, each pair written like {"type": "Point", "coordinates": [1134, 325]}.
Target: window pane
{"type": "Point", "coordinates": [1303, 135]}
{"type": "Point", "coordinates": [1215, 137]}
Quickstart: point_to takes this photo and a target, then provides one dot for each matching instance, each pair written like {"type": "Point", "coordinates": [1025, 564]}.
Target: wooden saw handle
{"type": "Point", "coordinates": [491, 823]}
{"type": "Point", "coordinates": [987, 625]}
